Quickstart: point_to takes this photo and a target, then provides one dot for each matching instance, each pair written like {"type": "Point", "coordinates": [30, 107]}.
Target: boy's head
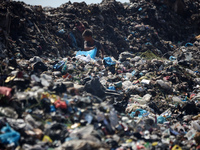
{"type": "Point", "coordinates": [87, 35]}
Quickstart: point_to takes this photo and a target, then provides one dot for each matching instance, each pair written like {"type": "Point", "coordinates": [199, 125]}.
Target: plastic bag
{"type": "Point", "coordinates": [9, 135]}
{"type": "Point", "coordinates": [108, 61]}
{"type": "Point", "coordinates": [92, 53]}
{"type": "Point", "coordinates": [140, 113]}
{"type": "Point", "coordinates": [160, 119]}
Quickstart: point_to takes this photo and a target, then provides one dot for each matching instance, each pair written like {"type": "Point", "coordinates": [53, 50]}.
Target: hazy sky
{"type": "Point", "coordinates": [56, 3]}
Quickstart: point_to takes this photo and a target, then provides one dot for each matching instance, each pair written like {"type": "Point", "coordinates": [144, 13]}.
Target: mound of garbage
{"type": "Point", "coordinates": [143, 94]}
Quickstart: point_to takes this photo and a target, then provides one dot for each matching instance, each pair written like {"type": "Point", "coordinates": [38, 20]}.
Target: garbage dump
{"type": "Point", "coordinates": [143, 92]}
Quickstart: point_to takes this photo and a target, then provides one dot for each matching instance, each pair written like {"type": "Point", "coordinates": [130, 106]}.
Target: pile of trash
{"type": "Point", "coordinates": [144, 93]}
{"type": "Point", "coordinates": [33, 30]}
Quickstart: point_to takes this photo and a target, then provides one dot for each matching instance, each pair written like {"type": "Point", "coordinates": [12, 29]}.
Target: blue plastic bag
{"type": "Point", "coordinates": [188, 44]}
{"type": "Point", "coordinates": [160, 119]}
{"type": "Point", "coordinates": [92, 53]}
{"type": "Point", "coordinates": [109, 62]}
{"type": "Point", "coordinates": [142, 113]}
{"type": "Point", "coordinates": [9, 135]}
{"type": "Point", "coordinates": [52, 108]}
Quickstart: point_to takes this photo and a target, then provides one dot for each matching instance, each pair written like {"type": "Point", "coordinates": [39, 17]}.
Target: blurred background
{"type": "Point", "coordinates": [57, 3]}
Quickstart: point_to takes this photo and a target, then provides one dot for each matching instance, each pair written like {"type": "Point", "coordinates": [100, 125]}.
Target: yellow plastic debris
{"type": "Point", "coordinates": [47, 139]}
{"type": "Point", "coordinates": [53, 98]}
{"type": "Point", "coordinates": [129, 141]}
{"type": "Point", "coordinates": [154, 143]}
{"type": "Point", "coordinates": [10, 78]}
{"type": "Point", "coordinates": [176, 147]}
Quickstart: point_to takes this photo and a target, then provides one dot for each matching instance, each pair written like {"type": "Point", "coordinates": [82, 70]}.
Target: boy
{"type": "Point", "coordinates": [90, 43]}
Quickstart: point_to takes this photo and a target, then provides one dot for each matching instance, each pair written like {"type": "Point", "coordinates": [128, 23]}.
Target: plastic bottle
{"type": "Point", "coordinates": [113, 118]}
{"type": "Point", "coordinates": [190, 134]}
{"type": "Point", "coordinates": [88, 118]}
{"type": "Point", "coordinates": [100, 116]}
{"type": "Point", "coordinates": [8, 112]}
{"type": "Point", "coordinates": [195, 125]}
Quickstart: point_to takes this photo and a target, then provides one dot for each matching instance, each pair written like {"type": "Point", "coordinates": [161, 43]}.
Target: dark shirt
{"type": "Point", "coordinates": [96, 44]}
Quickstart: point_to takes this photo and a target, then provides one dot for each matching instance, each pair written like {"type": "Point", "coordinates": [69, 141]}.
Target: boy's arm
{"type": "Point", "coordinates": [89, 48]}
